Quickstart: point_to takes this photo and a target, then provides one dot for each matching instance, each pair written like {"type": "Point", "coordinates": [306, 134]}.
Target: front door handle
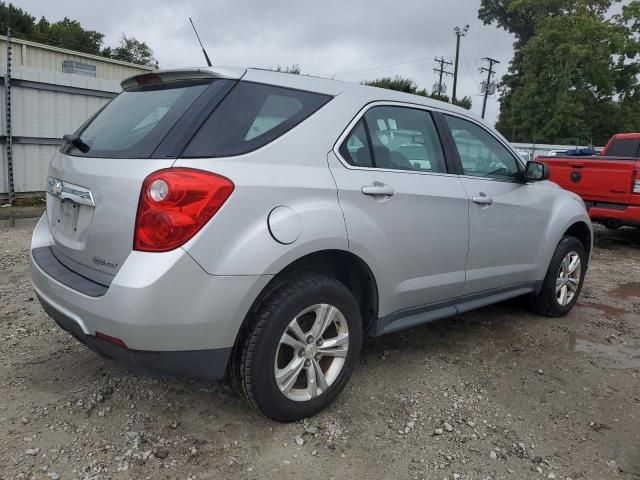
{"type": "Point", "coordinates": [378, 189]}
{"type": "Point", "coordinates": [483, 199]}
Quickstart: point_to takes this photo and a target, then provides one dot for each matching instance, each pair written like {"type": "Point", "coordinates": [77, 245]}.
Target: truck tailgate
{"type": "Point", "coordinates": [595, 179]}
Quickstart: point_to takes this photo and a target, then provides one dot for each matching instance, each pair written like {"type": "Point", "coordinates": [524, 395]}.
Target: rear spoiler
{"type": "Point", "coordinates": [161, 76]}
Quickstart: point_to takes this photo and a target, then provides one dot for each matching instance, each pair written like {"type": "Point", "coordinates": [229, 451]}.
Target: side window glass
{"type": "Point", "coordinates": [251, 116]}
{"type": "Point", "coordinates": [355, 149]}
{"type": "Point", "coordinates": [482, 155]}
{"type": "Point", "coordinates": [275, 110]}
{"type": "Point", "coordinates": [404, 139]}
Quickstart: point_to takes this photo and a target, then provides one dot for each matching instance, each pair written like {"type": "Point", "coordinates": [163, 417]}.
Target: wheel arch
{"type": "Point", "coordinates": [567, 216]}
{"type": "Point", "coordinates": [581, 231]}
{"type": "Point", "coordinates": [342, 265]}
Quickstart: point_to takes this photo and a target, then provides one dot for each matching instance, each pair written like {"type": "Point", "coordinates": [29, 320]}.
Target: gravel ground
{"type": "Point", "coordinates": [496, 393]}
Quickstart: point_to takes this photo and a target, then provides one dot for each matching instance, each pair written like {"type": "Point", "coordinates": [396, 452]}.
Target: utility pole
{"type": "Point", "coordinates": [441, 71]}
{"type": "Point", "coordinates": [487, 87]}
{"type": "Point", "coordinates": [460, 32]}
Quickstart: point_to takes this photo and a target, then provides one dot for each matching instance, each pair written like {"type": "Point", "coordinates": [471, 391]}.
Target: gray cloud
{"type": "Point", "coordinates": [352, 41]}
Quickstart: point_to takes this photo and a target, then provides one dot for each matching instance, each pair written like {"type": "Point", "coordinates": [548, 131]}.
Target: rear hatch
{"type": "Point", "coordinates": [595, 179]}
{"type": "Point", "coordinates": [95, 180]}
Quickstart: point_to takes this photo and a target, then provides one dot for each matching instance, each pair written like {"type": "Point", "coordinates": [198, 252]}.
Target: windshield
{"type": "Point", "coordinates": [134, 123]}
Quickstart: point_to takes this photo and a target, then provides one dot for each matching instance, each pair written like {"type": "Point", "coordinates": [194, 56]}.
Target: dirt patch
{"type": "Point", "coordinates": [627, 290]}
{"type": "Point", "coordinates": [496, 393]}
{"type": "Point", "coordinates": [620, 356]}
{"type": "Point", "coordinates": [608, 310]}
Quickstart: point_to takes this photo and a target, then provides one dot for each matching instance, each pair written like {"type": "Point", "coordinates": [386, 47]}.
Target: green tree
{"type": "Point", "coordinates": [131, 50]}
{"type": "Point", "coordinates": [406, 85]}
{"type": "Point", "coordinates": [20, 22]}
{"type": "Point", "coordinates": [574, 71]}
{"type": "Point", "coordinates": [568, 81]}
{"type": "Point", "coordinates": [629, 70]}
{"type": "Point", "coordinates": [70, 34]}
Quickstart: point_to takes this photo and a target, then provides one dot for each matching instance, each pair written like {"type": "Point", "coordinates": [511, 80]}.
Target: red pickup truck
{"type": "Point", "coordinates": [608, 183]}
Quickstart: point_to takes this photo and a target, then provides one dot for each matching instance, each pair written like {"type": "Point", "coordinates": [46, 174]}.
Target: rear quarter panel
{"type": "Point", "coordinates": [237, 241]}
{"type": "Point", "coordinates": [291, 171]}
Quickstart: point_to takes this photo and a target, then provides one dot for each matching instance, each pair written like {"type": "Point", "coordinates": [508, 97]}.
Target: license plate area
{"type": "Point", "coordinates": [69, 214]}
{"type": "Point", "coordinates": [69, 222]}
{"type": "Point", "coordinates": [70, 211]}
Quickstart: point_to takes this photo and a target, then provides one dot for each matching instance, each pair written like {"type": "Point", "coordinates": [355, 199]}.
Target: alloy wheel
{"type": "Point", "coordinates": [568, 279]}
{"type": "Point", "coordinates": [311, 352]}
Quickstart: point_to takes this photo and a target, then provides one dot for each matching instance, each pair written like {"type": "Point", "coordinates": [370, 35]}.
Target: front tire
{"type": "Point", "coordinates": [562, 284]}
{"type": "Point", "coordinates": [299, 348]}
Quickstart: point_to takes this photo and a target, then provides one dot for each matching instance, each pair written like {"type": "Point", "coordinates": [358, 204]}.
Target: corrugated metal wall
{"type": "Point", "coordinates": [47, 58]}
{"type": "Point", "coordinates": [47, 103]}
{"type": "Point", "coordinates": [42, 114]}
{"type": "Point", "coordinates": [47, 114]}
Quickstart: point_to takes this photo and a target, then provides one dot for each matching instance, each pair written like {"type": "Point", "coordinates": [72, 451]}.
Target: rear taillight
{"type": "Point", "coordinates": [635, 188]}
{"type": "Point", "coordinates": [175, 204]}
{"type": "Point", "coordinates": [110, 339]}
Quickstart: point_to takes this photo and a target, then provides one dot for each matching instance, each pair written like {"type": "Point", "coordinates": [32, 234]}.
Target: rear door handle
{"type": "Point", "coordinates": [482, 199]}
{"type": "Point", "coordinates": [378, 189]}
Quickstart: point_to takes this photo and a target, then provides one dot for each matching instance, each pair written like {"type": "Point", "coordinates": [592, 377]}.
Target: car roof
{"type": "Point", "coordinates": [365, 93]}
{"type": "Point", "coordinates": [337, 87]}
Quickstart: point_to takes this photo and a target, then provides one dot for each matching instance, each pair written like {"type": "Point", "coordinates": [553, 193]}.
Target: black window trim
{"type": "Point", "coordinates": [440, 130]}
{"type": "Point", "coordinates": [456, 156]}
{"type": "Point", "coordinates": [367, 132]}
{"type": "Point", "coordinates": [181, 133]}
{"type": "Point", "coordinates": [328, 98]}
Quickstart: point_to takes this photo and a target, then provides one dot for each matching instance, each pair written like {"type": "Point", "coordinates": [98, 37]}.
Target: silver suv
{"type": "Point", "coordinates": [254, 224]}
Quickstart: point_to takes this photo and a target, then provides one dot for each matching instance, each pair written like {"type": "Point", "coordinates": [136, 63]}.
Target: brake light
{"type": "Point", "coordinates": [175, 204]}
{"type": "Point", "coordinates": [148, 79]}
{"type": "Point", "coordinates": [110, 339]}
{"type": "Point", "coordinates": [635, 187]}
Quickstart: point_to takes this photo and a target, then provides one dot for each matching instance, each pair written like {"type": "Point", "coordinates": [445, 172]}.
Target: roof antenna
{"type": "Point", "coordinates": [206, 57]}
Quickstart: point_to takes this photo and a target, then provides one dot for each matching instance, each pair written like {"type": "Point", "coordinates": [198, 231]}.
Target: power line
{"type": "Point", "coordinates": [487, 86]}
{"type": "Point", "coordinates": [469, 69]}
{"type": "Point", "coordinates": [382, 67]}
{"type": "Point", "coordinates": [441, 71]}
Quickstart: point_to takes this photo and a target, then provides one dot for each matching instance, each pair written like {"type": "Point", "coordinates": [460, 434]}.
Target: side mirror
{"type": "Point", "coordinates": [537, 172]}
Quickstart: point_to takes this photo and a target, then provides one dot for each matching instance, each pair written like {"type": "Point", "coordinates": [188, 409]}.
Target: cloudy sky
{"type": "Point", "coordinates": [351, 40]}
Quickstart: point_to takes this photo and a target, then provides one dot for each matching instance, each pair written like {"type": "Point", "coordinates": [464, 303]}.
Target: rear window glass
{"type": "Point", "coordinates": [135, 122]}
{"type": "Point", "coordinates": [251, 116]}
{"type": "Point", "coordinates": [624, 147]}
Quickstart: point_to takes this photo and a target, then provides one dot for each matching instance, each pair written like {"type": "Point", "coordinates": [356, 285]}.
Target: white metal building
{"type": "Point", "coordinates": [52, 92]}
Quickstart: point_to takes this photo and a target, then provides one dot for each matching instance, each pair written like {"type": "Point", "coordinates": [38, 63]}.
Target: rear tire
{"type": "Point", "coordinates": [309, 325]}
{"type": "Point", "coordinates": [562, 284]}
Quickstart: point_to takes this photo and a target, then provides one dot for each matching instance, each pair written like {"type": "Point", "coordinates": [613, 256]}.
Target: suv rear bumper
{"type": "Point", "coordinates": [173, 317]}
{"type": "Point", "coordinates": [202, 364]}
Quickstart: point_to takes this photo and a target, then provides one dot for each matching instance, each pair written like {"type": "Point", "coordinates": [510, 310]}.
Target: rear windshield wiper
{"type": "Point", "coordinates": [77, 142]}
